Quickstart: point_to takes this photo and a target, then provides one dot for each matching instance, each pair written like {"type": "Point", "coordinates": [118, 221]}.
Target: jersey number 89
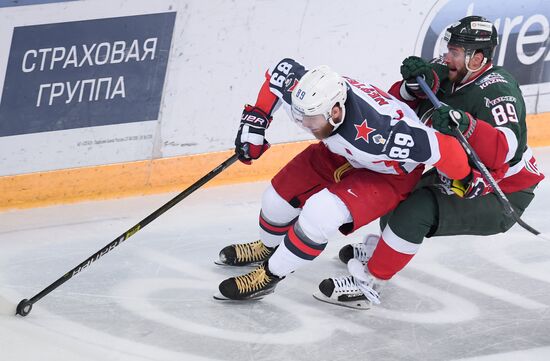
{"type": "Point", "coordinates": [503, 114]}
{"type": "Point", "coordinates": [279, 79]}
{"type": "Point", "coordinates": [405, 142]}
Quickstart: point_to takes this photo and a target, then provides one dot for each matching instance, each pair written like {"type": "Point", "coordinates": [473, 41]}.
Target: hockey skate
{"type": "Point", "coordinates": [360, 251]}
{"type": "Point", "coordinates": [251, 286]}
{"type": "Point", "coordinates": [367, 283]}
{"type": "Point", "coordinates": [342, 291]}
{"type": "Point", "coordinates": [360, 290]}
{"type": "Point", "coordinates": [245, 254]}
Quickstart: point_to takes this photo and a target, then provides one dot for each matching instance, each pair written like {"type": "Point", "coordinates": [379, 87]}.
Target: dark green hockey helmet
{"type": "Point", "coordinates": [473, 33]}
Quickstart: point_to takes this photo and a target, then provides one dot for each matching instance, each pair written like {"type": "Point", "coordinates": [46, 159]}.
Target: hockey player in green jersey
{"type": "Point", "coordinates": [492, 118]}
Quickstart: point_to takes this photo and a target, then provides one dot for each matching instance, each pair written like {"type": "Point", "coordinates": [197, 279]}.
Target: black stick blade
{"type": "Point", "coordinates": [24, 308]}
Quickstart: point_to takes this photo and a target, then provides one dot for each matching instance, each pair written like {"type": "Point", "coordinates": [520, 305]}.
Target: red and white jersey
{"type": "Point", "coordinates": [379, 132]}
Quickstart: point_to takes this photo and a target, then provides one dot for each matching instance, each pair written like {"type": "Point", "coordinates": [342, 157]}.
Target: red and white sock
{"type": "Point", "coordinates": [294, 252]}
{"type": "Point", "coordinates": [391, 255]}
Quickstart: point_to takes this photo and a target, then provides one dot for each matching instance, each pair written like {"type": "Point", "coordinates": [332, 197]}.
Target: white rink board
{"type": "Point", "coordinates": [219, 53]}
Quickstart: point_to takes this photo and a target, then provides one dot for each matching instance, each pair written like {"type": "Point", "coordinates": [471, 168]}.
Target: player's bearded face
{"type": "Point", "coordinates": [455, 60]}
{"type": "Point", "coordinates": [318, 125]}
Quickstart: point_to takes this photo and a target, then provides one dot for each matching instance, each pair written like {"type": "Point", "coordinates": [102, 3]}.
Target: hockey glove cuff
{"type": "Point", "coordinates": [250, 142]}
{"type": "Point", "coordinates": [474, 185]}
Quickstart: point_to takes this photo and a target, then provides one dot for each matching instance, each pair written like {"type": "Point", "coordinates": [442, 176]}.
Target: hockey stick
{"type": "Point", "coordinates": [25, 306]}
{"type": "Point", "coordinates": [508, 209]}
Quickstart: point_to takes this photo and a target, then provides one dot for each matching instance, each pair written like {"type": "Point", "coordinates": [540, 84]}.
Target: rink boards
{"type": "Point", "coordinates": [101, 100]}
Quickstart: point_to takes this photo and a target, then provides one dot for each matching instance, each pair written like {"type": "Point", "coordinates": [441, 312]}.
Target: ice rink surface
{"type": "Point", "coordinates": [461, 298]}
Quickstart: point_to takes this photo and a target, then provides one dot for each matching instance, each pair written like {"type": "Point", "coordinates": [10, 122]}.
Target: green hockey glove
{"type": "Point", "coordinates": [414, 66]}
{"type": "Point", "coordinates": [445, 118]}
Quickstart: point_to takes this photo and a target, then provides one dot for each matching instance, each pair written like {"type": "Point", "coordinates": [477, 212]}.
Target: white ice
{"type": "Point", "coordinates": [461, 298]}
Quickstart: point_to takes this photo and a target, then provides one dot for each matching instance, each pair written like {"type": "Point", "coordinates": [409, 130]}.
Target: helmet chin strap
{"type": "Point", "coordinates": [471, 71]}
{"type": "Point", "coordinates": [336, 125]}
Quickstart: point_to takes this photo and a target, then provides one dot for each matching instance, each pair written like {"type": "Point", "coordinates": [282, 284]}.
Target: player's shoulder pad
{"type": "Point", "coordinates": [497, 80]}
{"type": "Point", "coordinates": [501, 98]}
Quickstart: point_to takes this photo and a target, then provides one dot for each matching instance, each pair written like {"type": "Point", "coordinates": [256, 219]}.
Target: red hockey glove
{"type": "Point", "coordinates": [474, 185]}
{"type": "Point", "coordinates": [250, 142]}
{"type": "Point", "coordinates": [410, 69]}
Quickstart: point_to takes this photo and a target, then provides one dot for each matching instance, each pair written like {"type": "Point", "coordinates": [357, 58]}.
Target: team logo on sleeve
{"type": "Point", "coordinates": [363, 131]}
{"type": "Point", "coordinates": [290, 83]}
{"type": "Point", "coordinates": [489, 79]}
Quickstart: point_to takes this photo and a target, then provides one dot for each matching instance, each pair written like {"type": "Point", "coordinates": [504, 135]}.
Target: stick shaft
{"type": "Point", "coordinates": [130, 232]}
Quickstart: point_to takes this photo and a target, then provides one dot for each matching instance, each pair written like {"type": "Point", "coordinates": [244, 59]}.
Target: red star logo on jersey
{"type": "Point", "coordinates": [363, 131]}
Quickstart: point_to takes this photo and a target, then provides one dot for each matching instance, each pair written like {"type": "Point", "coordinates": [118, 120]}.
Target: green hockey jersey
{"type": "Point", "coordinates": [494, 98]}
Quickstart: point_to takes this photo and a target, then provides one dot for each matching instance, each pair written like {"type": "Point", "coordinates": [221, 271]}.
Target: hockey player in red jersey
{"type": "Point", "coordinates": [491, 113]}
{"type": "Point", "coordinates": [371, 155]}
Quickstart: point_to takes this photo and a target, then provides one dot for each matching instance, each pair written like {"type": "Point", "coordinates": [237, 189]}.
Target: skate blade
{"type": "Point", "coordinates": [219, 297]}
{"type": "Point", "coordinates": [250, 265]}
{"type": "Point", "coordinates": [356, 304]}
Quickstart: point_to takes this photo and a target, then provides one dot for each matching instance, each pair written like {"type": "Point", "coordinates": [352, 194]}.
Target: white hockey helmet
{"type": "Point", "coordinates": [317, 92]}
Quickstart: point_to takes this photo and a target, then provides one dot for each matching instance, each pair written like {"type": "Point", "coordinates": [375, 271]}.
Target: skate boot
{"type": "Point", "coordinates": [367, 283]}
{"type": "Point", "coordinates": [359, 290]}
{"type": "Point", "coordinates": [245, 254]}
{"type": "Point", "coordinates": [360, 251]}
{"type": "Point", "coordinates": [342, 291]}
{"type": "Point", "coordinates": [251, 286]}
